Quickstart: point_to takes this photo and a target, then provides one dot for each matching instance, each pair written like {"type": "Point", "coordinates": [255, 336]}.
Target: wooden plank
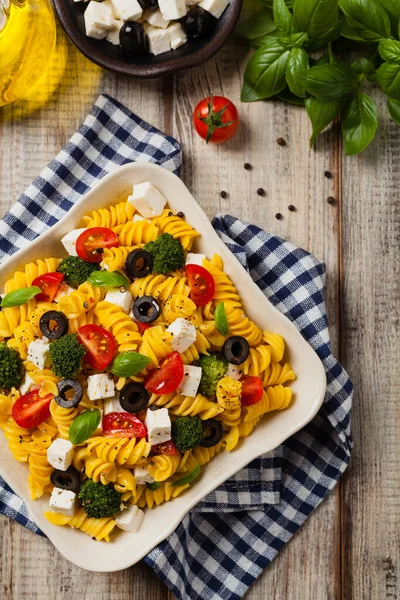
{"type": "Point", "coordinates": [371, 352]}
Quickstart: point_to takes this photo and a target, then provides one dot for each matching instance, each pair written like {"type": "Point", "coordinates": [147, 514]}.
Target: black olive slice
{"type": "Point", "coordinates": [198, 22]}
{"type": "Point", "coordinates": [53, 324]}
{"type": "Point", "coordinates": [64, 386]}
{"type": "Point", "coordinates": [133, 397]}
{"type": "Point", "coordinates": [139, 263]}
{"type": "Point", "coordinates": [212, 433]}
{"type": "Point", "coordinates": [146, 309]}
{"type": "Point", "coordinates": [66, 480]}
{"type": "Point", "coordinates": [236, 349]}
{"type": "Point", "coordinates": [133, 38]}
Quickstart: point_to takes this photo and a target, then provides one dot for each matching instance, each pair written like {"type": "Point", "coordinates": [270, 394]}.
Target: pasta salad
{"type": "Point", "coordinates": [127, 365]}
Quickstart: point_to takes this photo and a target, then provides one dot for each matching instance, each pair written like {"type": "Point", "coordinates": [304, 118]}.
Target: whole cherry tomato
{"type": "Point", "coordinates": [216, 119]}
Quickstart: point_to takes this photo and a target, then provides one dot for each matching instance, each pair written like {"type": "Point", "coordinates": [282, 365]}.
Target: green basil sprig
{"type": "Point", "coordinates": [83, 426]}
{"type": "Point", "coordinates": [359, 123]}
{"type": "Point", "coordinates": [188, 478]}
{"type": "Point", "coordinates": [129, 363]}
{"type": "Point", "coordinates": [221, 321]}
{"type": "Point", "coordinates": [111, 279]}
{"type": "Point", "coordinates": [19, 297]}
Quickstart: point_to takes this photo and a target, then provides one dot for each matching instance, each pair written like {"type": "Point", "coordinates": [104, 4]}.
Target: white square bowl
{"type": "Point", "coordinates": [309, 387]}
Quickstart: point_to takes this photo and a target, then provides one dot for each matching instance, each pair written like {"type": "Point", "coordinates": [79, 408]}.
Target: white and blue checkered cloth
{"type": "Point", "coordinates": [223, 545]}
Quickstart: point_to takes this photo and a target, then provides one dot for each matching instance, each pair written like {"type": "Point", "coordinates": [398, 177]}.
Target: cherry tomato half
{"type": "Point", "coordinates": [100, 345]}
{"type": "Point", "coordinates": [142, 327]}
{"type": "Point", "coordinates": [216, 119]}
{"type": "Point", "coordinates": [167, 448]}
{"type": "Point", "coordinates": [201, 283]}
{"type": "Point", "coordinates": [92, 242]}
{"type": "Point", "coordinates": [252, 390]}
{"type": "Point", "coordinates": [123, 424]}
{"type": "Point", "coordinates": [167, 377]}
{"type": "Point", "coordinates": [49, 284]}
{"type": "Point", "coordinates": [30, 409]}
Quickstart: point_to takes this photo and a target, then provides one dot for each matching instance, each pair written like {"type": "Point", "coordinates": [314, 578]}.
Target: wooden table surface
{"type": "Point", "coordinates": [350, 547]}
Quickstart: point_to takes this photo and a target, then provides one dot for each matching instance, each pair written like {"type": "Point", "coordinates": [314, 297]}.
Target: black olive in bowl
{"type": "Point", "coordinates": [133, 39]}
{"type": "Point", "coordinates": [198, 23]}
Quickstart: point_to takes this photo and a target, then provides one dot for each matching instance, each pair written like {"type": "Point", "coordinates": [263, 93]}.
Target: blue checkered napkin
{"type": "Point", "coordinates": [214, 556]}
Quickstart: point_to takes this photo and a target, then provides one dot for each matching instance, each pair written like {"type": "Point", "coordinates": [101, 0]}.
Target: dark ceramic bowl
{"type": "Point", "coordinates": [105, 54]}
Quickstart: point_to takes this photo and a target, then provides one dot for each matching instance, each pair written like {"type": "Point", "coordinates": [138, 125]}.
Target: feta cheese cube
{"type": "Point", "coordinates": [38, 351]}
{"type": "Point", "coordinates": [177, 36]}
{"type": "Point", "coordinates": [195, 259]}
{"type": "Point", "coordinates": [130, 519]}
{"type": "Point", "coordinates": [172, 9]}
{"type": "Point", "coordinates": [215, 7]}
{"type": "Point", "coordinates": [235, 372]}
{"type": "Point", "coordinates": [100, 387]}
{"type": "Point", "coordinates": [64, 290]}
{"type": "Point", "coordinates": [99, 19]}
{"type": "Point", "coordinates": [123, 300]}
{"type": "Point", "coordinates": [158, 426]}
{"type": "Point", "coordinates": [63, 501]}
{"type": "Point", "coordinates": [155, 18]}
{"type": "Point", "coordinates": [69, 241]}
{"type": "Point", "coordinates": [113, 34]}
{"type": "Point", "coordinates": [26, 384]}
{"type": "Point", "coordinates": [145, 197]}
{"type": "Point", "coordinates": [190, 382]}
{"type": "Point", "coordinates": [127, 10]}
{"type": "Point", "coordinates": [142, 475]}
{"type": "Point", "coordinates": [184, 334]}
{"type": "Point", "coordinates": [158, 44]}
{"type": "Point", "coordinates": [112, 405]}
{"type": "Point", "coordinates": [60, 454]}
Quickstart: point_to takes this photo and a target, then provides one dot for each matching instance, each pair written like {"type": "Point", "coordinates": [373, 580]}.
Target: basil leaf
{"type": "Point", "coordinates": [330, 35]}
{"type": "Point", "coordinates": [363, 65]}
{"type": "Point", "coordinates": [287, 96]}
{"type": "Point", "coordinates": [390, 50]}
{"type": "Point", "coordinates": [257, 43]}
{"type": "Point", "coordinates": [359, 123]}
{"type": "Point", "coordinates": [392, 7]}
{"type": "Point", "coordinates": [83, 426]}
{"type": "Point", "coordinates": [297, 61]}
{"type": "Point", "coordinates": [188, 478]}
{"type": "Point", "coordinates": [257, 25]}
{"type": "Point", "coordinates": [129, 363]}
{"type": "Point", "coordinates": [107, 279]}
{"type": "Point", "coordinates": [321, 113]}
{"type": "Point", "coordinates": [367, 18]}
{"type": "Point", "coordinates": [315, 16]}
{"type": "Point", "coordinates": [282, 16]}
{"type": "Point", "coordinates": [394, 109]}
{"type": "Point", "coordinates": [265, 71]}
{"type": "Point", "coordinates": [388, 76]}
{"type": "Point", "coordinates": [248, 93]}
{"type": "Point", "coordinates": [327, 82]}
{"type": "Point", "coordinates": [19, 297]}
{"type": "Point", "coordinates": [221, 322]}
{"type": "Point", "coordinates": [351, 34]}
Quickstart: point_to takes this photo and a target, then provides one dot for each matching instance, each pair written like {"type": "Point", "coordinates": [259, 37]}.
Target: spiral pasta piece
{"type": "Point", "coordinates": [228, 399]}
{"type": "Point", "coordinates": [277, 374]}
{"type": "Point", "coordinates": [100, 529]}
{"type": "Point", "coordinates": [204, 455]}
{"type": "Point", "coordinates": [119, 324]}
{"type": "Point", "coordinates": [48, 428]}
{"type": "Point", "coordinates": [63, 418]}
{"type": "Point", "coordinates": [150, 498]}
{"type": "Point", "coordinates": [159, 286]}
{"type": "Point", "coordinates": [6, 404]}
{"type": "Point", "coordinates": [39, 468]}
{"type": "Point", "coordinates": [110, 217]}
{"type": "Point", "coordinates": [136, 232]}
{"type": "Point", "coordinates": [122, 451]}
{"type": "Point", "coordinates": [224, 288]}
{"type": "Point", "coordinates": [125, 484]}
{"type": "Point", "coordinates": [231, 438]}
{"type": "Point", "coordinates": [155, 345]}
{"type": "Point", "coordinates": [177, 227]}
{"type": "Point", "coordinates": [163, 467]}
{"type": "Point", "coordinates": [200, 346]}
{"type": "Point", "coordinates": [177, 306]}
{"type": "Point", "coordinates": [258, 361]}
{"type": "Point", "coordinates": [114, 259]}
{"type": "Point", "coordinates": [44, 379]}
{"type": "Point", "coordinates": [239, 324]}
{"type": "Point", "coordinates": [184, 406]}
{"type": "Point", "coordinates": [274, 398]}
{"type": "Point", "coordinates": [99, 470]}
{"type": "Point", "coordinates": [81, 300]}
{"type": "Point", "coordinates": [87, 318]}
{"type": "Point", "coordinates": [18, 439]}
{"type": "Point", "coordinates": [277, 344]}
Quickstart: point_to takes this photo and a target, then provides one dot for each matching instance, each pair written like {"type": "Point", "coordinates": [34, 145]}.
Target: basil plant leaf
{"type": "Point", "coordinates": [248, 93]}
{"type": "Point", "coordinates": [287, 96]}
{"type": "Point", "coordinates": [221, 321]}
{"type": "Point", "coordinates": [367, 18]}
{"type": "Point", "coordinates": [390, 50]}
{"type": "Point", "coordinates": [111, 279]}
{"type": "Point", "coordinates": [19, 297]}
{"type": "Point", "coordinates": [351, 34]}
{"type": "Point", "coordinates": [359, 123]}
{"type": "Point", "coordinates": [257, 43]}
{"type": "Point", "coordinates": [315, 16]}
{"type": "Point", "coordinates": [282, 16]}
{"type": "Point", "coordinates": [187, 478]}
{"type": "Point", "coordinates": [327, 82]}
{"type": "Point", "coordinates": [257, 25]}
{"type": "Point", "coordinates": [394, 109]}
{"type": "Point", "coordinates": [265, 71]}
{"type": "Point", "coordinates": [83, 426]}
{"type": "Point", "coordinates": [392, 7]}
{"type": "Point", "coordinates": [363, 65]}
{"type": "Point", "coordinates": [321, 113]}
{"type": "Point", "coordinates": [388, 76]}
{"type": "Point", "coordinates": [297, 61]}
{"type": "Point", "coordinates": [129, 363]}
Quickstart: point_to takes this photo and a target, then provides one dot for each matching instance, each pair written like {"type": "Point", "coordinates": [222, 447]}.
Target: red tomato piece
{"type": "Point", "coordinates": [92, 242]}
{"type": "Point", "coordinates": [49, 284]}
{"type": "Point", "coordinates": [201, 283]}
{"type": "Point", "coordinates": [30, 409]}
{"type": "Point", "coordinates": [167, 448]}
{"type": "Point", "coordinates": [252, 390]}
{"type": "Point", "coordinates": [142, 327]}
{"type": "Point", "coordinates": [123, 424]}
{"type": "Point", "coordinates": [100, 345]}
{"type": "Point", "coordinates": [167, 377]}
{"type": "Point", "coordinates": [216, 119]}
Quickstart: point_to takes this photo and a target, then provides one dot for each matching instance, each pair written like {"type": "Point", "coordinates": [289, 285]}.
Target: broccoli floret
{"type": "Point", "coordinates": [67, 356]}
{"type": "Point", "coordinates": [167, 254]}
{"type": "Point", "coordinates": [187, 432]}
{"type": "Point", "coordinates": [11, 367]}
{"type": "Point", "coordinates": [213, 368]}
{"type": "Point", "coordinates": [99, 500]}
{"type": "Point", "coordinates": [76, 271]}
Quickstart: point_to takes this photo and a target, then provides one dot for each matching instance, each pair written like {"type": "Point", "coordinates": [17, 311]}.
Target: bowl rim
{"type": "Point", "coordinates": [147, 71]}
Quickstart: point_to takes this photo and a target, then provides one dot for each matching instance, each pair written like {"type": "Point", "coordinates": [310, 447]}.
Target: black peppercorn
{"type": "Point", "coordinates": [223, 194]}
{"type": "Point", "coordinates": [278, 216]}
{"type": "Point", "coordinates": [180, 214]}
{"type": "Point", "coordinates": [331, 200]}
{"type": "Point", "coordinates": [261, 192]}
{"type": "Point", "coordinates": [281, 142]}
{"type": "Point", "coordinates": [247, 166]}
{"type": "Point", "coordinates": [291, 207]}
{"type": "Point", "coordinates": [328, 174]}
